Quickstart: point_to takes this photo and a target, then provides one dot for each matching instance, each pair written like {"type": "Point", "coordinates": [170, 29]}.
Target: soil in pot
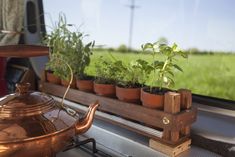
{"type": "Point", "coordinates": [85, 85]}
{"type": "Point", "coordinates": [52, 78]}
{"type": "Point", "coordinates": [107, 90]}
{"type": "Point", "coordinates": [66, 83]}
{"type": "Point", "coordinates": [155, 99]}
{"type": "Point", "coordinates": [131, 95]}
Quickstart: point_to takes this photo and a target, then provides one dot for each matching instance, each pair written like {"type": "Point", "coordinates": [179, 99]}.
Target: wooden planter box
{"type": "Point", "coordinates": [174, 121]}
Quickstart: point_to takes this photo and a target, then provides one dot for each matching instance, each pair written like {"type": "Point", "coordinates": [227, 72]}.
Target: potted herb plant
{"type": "Point", "coordinates": [53, 71]}
{"type": "Point", "coordinates": [52, 77]}
{"type": "Point", "coordinates": [130, 79]}
{"type": "Point", "coordinates": [81, 60]}
{"type": "Point", "coordinates": [61, 68]}
{"type": "Point", "coordinates": [55, 41]}
{"type": "Point", "coordinates": [104, 83]}
{"type": "Point", "coordinates": [162, 73]}
{"type": "Point", "coordinates": [69, 46]}
{"type": "Point", "coordinates": [78, 56]}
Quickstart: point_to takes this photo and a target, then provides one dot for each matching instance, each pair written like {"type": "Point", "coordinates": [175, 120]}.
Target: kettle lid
{"type": "Point", "coordinates": [25, 102]}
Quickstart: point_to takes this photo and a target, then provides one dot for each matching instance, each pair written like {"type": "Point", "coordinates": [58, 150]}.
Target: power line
{"type": "Point", "coordinates": [132, 8]}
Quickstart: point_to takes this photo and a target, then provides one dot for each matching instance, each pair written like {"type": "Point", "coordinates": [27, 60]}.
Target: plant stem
{"type": "Point", "coordinates": [165, 64]}
{"type": "Point", "coordinates": [154, 73]}
{"type": "Point", "coordinates": [70, 82]}
{"type": "Point", "coordinates": [162, 73]}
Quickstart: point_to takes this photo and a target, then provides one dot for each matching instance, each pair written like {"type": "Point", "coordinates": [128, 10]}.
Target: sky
{"type": "Point", "coordinates": [202, 24]}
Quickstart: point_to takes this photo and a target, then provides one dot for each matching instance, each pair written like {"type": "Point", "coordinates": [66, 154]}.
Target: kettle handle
{"type": "Point", "coordinates": [70, 82]}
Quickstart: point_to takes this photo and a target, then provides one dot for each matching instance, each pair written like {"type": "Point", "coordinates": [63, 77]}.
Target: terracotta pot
{"type": "Point", "coordinates": [149, 100]}
{"type": "Point", "coordinates": [66, 83]}
{"type": "Point", "coordinates": [105, 89]}
{"type": "Point", "coordinates": [52, 78]}
{"type": "Point", "coordinates": [85, 85]}
{"type": "Point", "coordinates": [128, 94]}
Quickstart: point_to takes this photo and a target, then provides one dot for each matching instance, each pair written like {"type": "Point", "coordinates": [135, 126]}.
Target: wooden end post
{"type": "Point", "coordinates": [171, 105]}
{"type": "Point", "coordinates": [186, 103]}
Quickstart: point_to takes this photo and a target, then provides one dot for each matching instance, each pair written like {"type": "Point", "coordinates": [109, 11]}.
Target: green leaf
{"type": "Point", "coordinates": [174, 47]}
{"type": "Point", "coordinates": [177, 67]}
{"type": "Point", "coordinates": [147, 46]}
{"type": "Point", "coordinates": [171, 73]}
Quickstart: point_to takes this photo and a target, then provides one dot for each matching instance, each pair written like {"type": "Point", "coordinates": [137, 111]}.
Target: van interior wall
{"type": "Point", "coordinates": [22, 69]}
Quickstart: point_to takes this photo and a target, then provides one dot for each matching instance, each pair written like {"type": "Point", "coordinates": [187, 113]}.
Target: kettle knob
{"type": "Point", "coordinates": [22, 88]}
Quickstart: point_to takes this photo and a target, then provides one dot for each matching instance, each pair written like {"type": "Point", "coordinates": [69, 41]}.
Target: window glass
{"type": "Point", "coordinates": [31, 15]}
{"type": "Point", "coordinates": [205, 28]}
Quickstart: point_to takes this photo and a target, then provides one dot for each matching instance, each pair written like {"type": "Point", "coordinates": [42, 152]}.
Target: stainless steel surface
{"type": "Point", "coordinates": [215, 124]}
{"type": "Point", "coordinates": [215, 110]}
{"type": "Point", "coordinates": [128, 143]}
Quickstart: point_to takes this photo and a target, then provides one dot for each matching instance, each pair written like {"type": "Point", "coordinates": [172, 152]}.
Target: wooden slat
{"type": "Point", "coordinates": [186, 103]}
{"type": "Point", "coordinates": [23, 51]}
{"type": "Point", "coordinates": [170, 150]}
{"type": "Point", "coordinates": [187, 117]}
{"type": "Point", "coordinates": [127, 110]}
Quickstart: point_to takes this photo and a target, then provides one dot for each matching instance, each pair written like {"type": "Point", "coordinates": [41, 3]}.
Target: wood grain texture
{"type": "Point", "coordinates": [186, 103]}
{"type": "Point", "coordinates": [171, 151]}
{"type": "Point", "coordinates": [171, 105]}
{"type": "Point", "coordinates": [172, 102]}
{"type": "Point", "coordinates": [23, 51]}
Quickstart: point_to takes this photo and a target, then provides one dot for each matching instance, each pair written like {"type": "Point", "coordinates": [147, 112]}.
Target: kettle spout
{"type": "Point", "coordinates": [83, 124]}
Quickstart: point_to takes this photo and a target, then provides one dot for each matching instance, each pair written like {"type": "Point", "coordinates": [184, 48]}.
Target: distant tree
{"type": "Point", "coordinates": [163, 40]}
{"type": "Point", "coordinates": [122, 48]}
{"type": "Point", "coordinates": [110, 49]}
{"type": "Point", "coordinates": [193, 50]}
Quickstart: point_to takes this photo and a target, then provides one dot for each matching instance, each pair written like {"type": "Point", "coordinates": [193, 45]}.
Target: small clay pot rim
{"type": "Point", "coordinates": [92, 78]}
{"type": "Point", "coordinates": [49, 71]}
{"type": "Point", "coordinates": [109, 81]}
{"type": "Point", "coordinates": [164, 90]}
{"type": "Point", "coordinates": [81, 81]}
{"type": "Point", "coordinates": [136, 86]}
{"type": "Point", "coordinates": [95, 82]}
{"type": "Point", "coordinates": [52, 78]}
{"type": "Point", "coordinates": [118, 86]}
{"type": "Point", "coordinates": [103, 84]}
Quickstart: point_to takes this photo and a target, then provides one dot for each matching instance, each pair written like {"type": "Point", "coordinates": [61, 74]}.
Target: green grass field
{"type": "Point", "coordinates": [212, 75]}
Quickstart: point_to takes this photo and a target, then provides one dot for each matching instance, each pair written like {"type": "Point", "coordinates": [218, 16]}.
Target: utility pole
{"type": "Point", "coordinates": [132, 7]}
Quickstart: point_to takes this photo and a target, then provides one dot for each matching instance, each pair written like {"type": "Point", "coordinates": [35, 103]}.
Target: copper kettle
{"type": "Point", "coordinates": [33, 124]}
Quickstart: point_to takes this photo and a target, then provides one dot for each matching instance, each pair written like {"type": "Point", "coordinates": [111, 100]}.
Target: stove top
{"type": "Point", "coordinates": [83, 152]}
{"type": "Point", "coordinates": [87, 147]}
